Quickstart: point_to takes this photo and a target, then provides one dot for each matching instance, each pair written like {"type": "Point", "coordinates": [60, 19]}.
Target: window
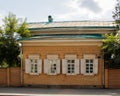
{"type": "Point", "coordinates": [70, 65]}
{"type": "Point", "coordinates": [33, 64]}
{"type": "Point", "coordinates": [89, 65]}
{"type": "Point", "coordinates": [52, 65]}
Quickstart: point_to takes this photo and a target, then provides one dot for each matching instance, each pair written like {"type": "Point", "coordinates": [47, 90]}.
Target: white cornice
{"type": "Point", "coordinates": [61, 42]}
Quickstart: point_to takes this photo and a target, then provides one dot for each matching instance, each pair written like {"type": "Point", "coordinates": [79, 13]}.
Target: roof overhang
{"type": "Point", "coordinates": [101, 30]}
{"type": "Point", "coordinates": [83, 42]}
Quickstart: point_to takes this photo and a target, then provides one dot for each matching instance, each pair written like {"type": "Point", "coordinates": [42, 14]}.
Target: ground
{"type": "Point", "coordinates": [23, 91]}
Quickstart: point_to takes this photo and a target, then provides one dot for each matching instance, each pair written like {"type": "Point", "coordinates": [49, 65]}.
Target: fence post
{"type": "Point", "coordinates": [8, 77]}
{"type": "Point", "coordinates": [106, 78]}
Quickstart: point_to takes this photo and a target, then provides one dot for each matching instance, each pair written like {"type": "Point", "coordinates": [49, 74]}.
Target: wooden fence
{"type": "Point", "coordinates": [10, 76]}
{"type": "Point", "coordinates": [112, 78]}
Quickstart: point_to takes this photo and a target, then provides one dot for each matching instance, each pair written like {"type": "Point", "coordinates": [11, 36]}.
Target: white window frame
{"type": "Point", "coordinates": [32, 61]}
{"type": "Point", "coordinates": [84, 64]}
{"type": "Point", "coordinates": [65, 64]}
{"type": "Point", "coordinates": [49, 65]}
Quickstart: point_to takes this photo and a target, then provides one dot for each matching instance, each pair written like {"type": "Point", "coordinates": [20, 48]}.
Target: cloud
{"type": "Point", "coordinates": [88, 10]}
{"type": "Point", "coordinates": [90, 5]}
{"type": "Point", "coordinates": [2, 15]}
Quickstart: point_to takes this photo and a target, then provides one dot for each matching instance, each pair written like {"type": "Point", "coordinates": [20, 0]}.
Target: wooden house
{"type": "Point", "coordinates": [64, 54]}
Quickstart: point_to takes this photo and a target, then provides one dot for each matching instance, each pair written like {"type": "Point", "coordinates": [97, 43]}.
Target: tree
{"type": "Point", "coordinates": [9, 47]}
{"type": "Point", "coordinates": [9, 52]}
{"type": "Point", "coordinates": [111, 44]}
{"type": "Point", "coordinates": [111, 50]}
{"type": "Point", "coordinates": [116, 14]}
{"type": "Point", "coordinates": [23, 30]}
{"type": "Point", "coordinates": [12, 25]}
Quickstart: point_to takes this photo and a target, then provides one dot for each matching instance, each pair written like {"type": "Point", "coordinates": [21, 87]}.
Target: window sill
{"type": "Point", "coordinates": [33, 73]}
{"type": "Point", "coordinates": [52, 74]}
{"type": "Point", "coordinates": [71, 74]}
{"type": "Point", "coordinates": [89, 74]}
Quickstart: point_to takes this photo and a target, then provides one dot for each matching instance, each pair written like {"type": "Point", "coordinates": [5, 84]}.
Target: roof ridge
{"type": "Point", "coordinates": [65, 21]}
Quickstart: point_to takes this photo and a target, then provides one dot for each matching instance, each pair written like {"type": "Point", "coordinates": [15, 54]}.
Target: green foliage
{"type": "Point", "coordinates": [118, 36]}
{"type": "Point", "coordinates": [9, 52]}
{"type": "Point", "coordinates": [116, 15]}
{"type": "Point", "coordinates": [111, 45]}
{"type": "Point", "coordinates": [23, 30]}
{"type": "Point", "coordinates": [1, 32]}
{"type": "Point", "coordinates": [12, 24]}
{"type": "Point", "coordinates": [9, 47]}
{"type": "Point", "coordinates": [111, 50]}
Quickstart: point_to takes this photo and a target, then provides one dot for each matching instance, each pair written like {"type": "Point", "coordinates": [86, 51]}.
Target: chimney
{"type": "Point", "coordinates": [50, 19]}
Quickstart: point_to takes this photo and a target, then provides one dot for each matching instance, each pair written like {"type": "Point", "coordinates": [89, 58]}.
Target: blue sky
{"type": "Point", "coordinates": [61, 10]}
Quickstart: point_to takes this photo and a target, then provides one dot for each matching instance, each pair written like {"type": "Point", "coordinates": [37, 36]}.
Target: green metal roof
{"type": "Point", "coordinates": [71, 24]}
{"type": "Point", "coordinates": [64, 36]}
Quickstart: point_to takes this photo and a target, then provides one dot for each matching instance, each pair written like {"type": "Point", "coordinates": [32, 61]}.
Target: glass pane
{"type": "Point", "coordinates": [91, 68]}
{"type": "Point", "coordinates": [91, 60]}
{"type": "Point", "coordinates": [68, 71]}
{"type": "Point", "coordinates": [68, 61]}
{"type": "Point", "coordinates": [72, 71]}
{"type": "Point", "coordinates": [91, 71]}
{"type": "Point", "coordinates": [87, 71]}
{"type": "Point", "coordinates": [87, 60]}
{"type": "Point", "coordinates": [54, 65]}
{"type": "Point", "coordinates": [53, 68]}
{"type": "Point", "coordinates": [32, 69]}
{"type": "Point", "coordinates": [30, 60]}
{"type": "Point", "coordinates": [87, 65]}
{"type": "Point", "coordinates": [73, 61]}
{"type": "Point", "coordinates": [91, 65]}
{"type": "Point", "coordinates": [35, 68]}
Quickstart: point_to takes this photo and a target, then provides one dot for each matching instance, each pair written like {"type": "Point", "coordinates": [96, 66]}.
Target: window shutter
{"type": "Point", "coordinates": [82, 66]}
{"type": "Point", "coordinates": [95, 66]}
{"type": "Point", "coordinates": [46, 66]}
{"type": "Point", "coordinates": [64, 66]}
{"type": "Point", "coordinates": [39, 68]}
{"type": "Point", "coordinates": [27, 65]}
{"type": "Point", "coordinates": [77, 66]}
{"type": "Point", "coordinates": [58, 66]}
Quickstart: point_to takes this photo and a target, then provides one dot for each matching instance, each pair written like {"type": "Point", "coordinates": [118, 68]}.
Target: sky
{"type": "Point", "coordinates": [60, 10]}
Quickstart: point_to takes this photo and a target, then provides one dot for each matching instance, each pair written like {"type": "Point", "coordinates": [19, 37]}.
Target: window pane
{"type": "Point", "coordinates": [72, 61]}
{"type": "Point", "coordinates": [35, 68]}
{"type": "Point", "coordinates": [87, 61]}
{"type": "Point", "coordinates": [68, 61]}
{"type": "Point", "coordinates": [70, 66]}
{"type": "Point", "coordinates": [91, 60]}
{"type": "Point", "coordinates": [35, 60]}
{"type": "Point", "coordinates": [53, 66]}
{"type": "Point", "coordinates": [32, 68]}
{"type": "Point", "coordinates": [89, 65]}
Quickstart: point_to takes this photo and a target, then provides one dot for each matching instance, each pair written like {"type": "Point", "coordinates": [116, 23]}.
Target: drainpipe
{"type": "Point", "coordinates": [103, 72]}
{"type": "Point", "coordinates": [103, 75]}
{"type": "Point", "coordinates": [21, 62]}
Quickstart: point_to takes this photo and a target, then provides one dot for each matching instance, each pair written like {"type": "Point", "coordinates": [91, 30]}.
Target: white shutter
{"type": "Point", "coordinates": [83, 66]}
{"type": "Point", "coordinates": [58, 66]}
{"type": "Point", "coordinates": [39, 67]}
{"type": "Point", "coordinates": [77, 66]}
{"type": "Point", "coordinates": [46, 66]}
{"type": "Point", "coordinates": [64, 66]}
{"type": "Point", "coordinates": [27, 65]}
{"type": "Point", "coordinates": [95, 66]}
